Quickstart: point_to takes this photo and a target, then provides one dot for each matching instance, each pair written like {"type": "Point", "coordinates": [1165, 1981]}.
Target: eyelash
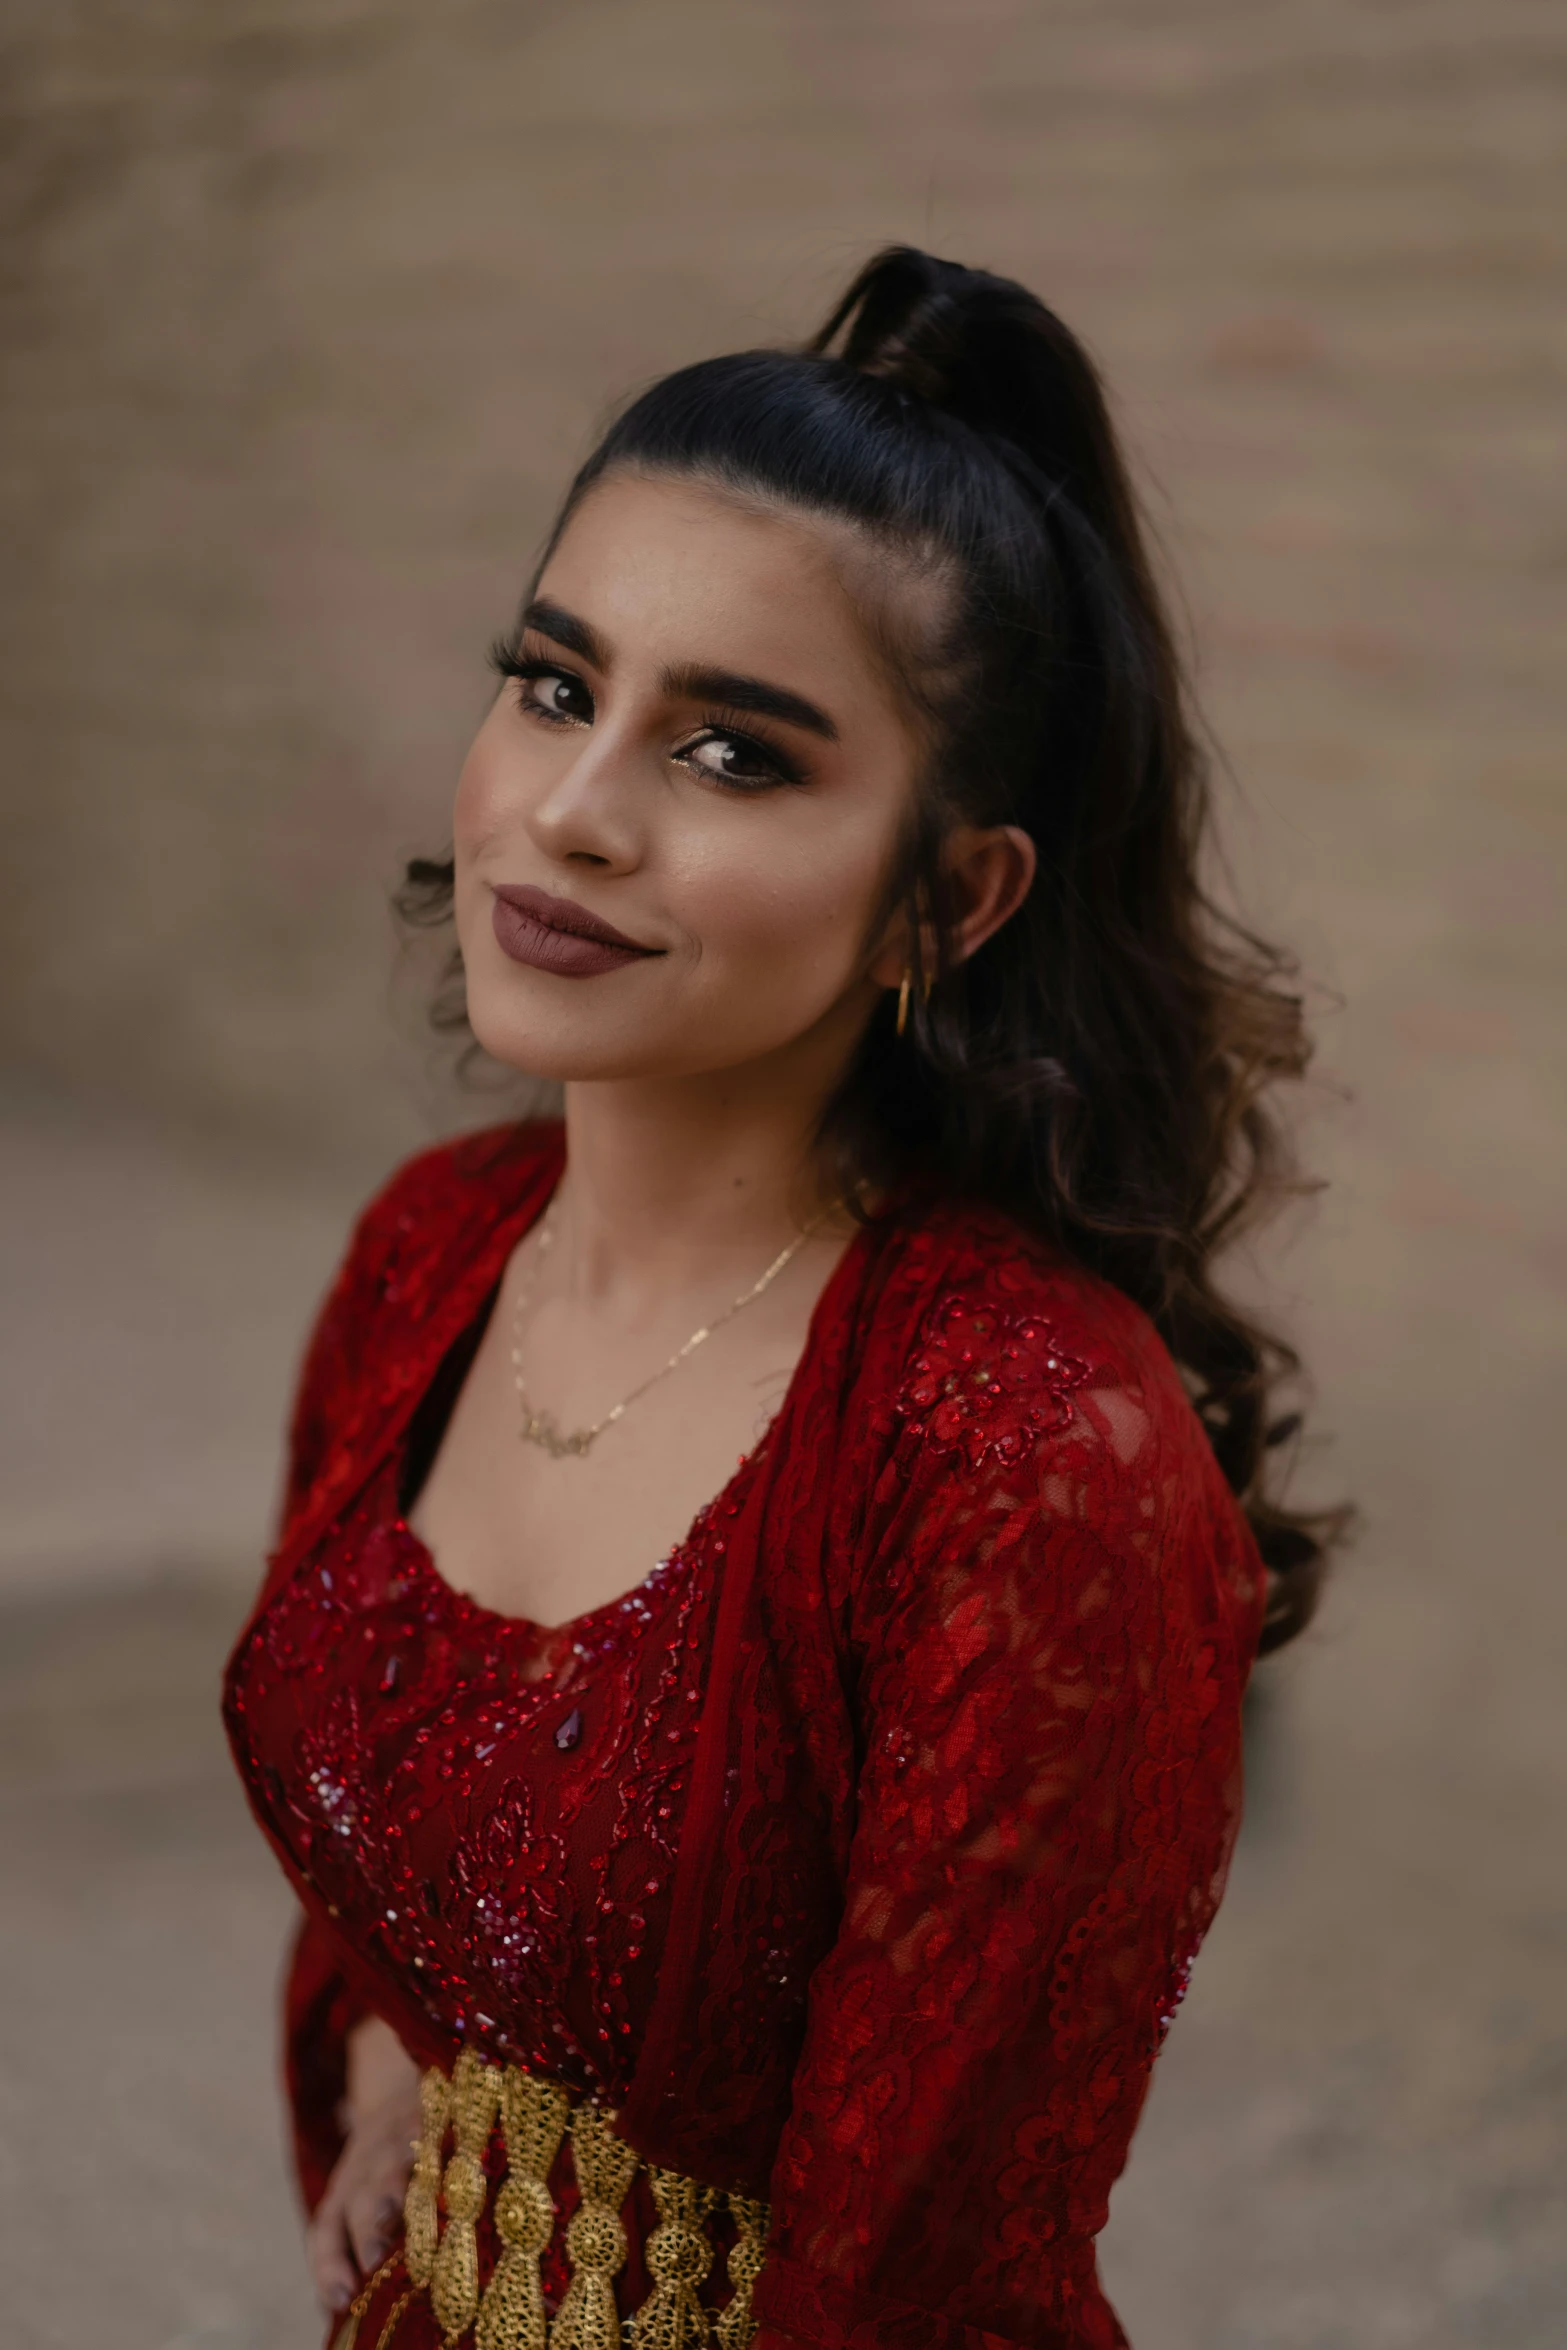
{"type": "Point", "coordinates": [717, 724]}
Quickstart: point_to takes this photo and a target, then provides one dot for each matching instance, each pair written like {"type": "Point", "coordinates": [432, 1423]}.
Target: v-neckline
{"type": "Point", "coordinates": [730, 1493]}
{"type": "Point", "coordinates": [479, 1613]}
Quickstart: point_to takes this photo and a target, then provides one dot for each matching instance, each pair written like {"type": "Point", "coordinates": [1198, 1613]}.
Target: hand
{"type": "Point", "coordinates": [357, 2219]}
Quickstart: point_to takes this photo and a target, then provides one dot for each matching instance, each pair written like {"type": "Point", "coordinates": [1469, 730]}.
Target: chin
{"type": "Point", "coordinates": [542, 1048]}
{"type": "Point", "coordinates": [565, 1047]}
{"type": "Point", "coordinates": [546, 1027]}
{"type": "Point", "coordinates": [586, 1048]}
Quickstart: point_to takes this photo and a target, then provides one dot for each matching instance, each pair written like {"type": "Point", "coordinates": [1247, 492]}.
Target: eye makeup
{"type": "Point", "coordinates": [760, 759]}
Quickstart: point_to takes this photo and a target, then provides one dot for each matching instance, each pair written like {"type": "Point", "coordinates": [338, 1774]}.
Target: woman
{"type": "Point", "coordinates": [772, 1943]}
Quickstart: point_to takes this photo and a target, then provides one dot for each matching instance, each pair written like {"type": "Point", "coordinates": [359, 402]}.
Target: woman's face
{"type": "Point", "coordinates": [701, 757]}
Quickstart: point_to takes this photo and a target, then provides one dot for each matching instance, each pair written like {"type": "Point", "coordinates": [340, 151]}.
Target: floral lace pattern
{"type": "Point", "coordinates": [988, 1381]}
{"type": "Point", "coordinates": [864, 1857]}
{"type": "Point", "coordinates": [1044, 1813]}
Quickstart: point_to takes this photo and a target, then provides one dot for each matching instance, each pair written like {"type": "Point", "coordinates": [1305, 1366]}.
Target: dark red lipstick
{"type": "Point", "coordinates": [556, 934]}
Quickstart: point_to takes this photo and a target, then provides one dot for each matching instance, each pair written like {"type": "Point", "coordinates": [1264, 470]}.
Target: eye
{"type": "Point", "coordinates": [556, 696]}
{"type": "Point", "coordinates": [741, 761]}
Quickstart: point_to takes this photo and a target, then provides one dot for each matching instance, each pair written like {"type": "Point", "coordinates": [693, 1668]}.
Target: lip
{"type": "Point", "coordinates": [551, 933]}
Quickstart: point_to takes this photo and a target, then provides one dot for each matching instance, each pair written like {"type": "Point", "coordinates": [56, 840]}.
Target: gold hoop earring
{"type": "Point", "coordinates": [903, 1003]}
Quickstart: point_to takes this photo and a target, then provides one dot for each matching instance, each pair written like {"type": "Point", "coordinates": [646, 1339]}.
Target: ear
{"type": "Point", "coordinates": [990, 869]}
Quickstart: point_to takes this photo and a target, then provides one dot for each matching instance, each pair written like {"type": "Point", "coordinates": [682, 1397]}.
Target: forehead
{"type": "Point", "coordinates": [678, 571]}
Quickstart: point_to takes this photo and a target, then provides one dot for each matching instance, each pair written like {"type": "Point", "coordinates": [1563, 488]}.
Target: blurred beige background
{"type": "Point", "coordinates": [305, 312]}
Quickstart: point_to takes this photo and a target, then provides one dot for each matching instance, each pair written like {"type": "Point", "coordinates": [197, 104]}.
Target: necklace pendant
{"type": "Point", "coordinates": [540, 1429]}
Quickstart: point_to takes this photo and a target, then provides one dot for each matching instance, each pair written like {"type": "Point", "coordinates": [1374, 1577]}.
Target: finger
{"type": "Point", "coordinates": [372, 2221]}
{"type": "Point", "coordinates": [331, 2262]}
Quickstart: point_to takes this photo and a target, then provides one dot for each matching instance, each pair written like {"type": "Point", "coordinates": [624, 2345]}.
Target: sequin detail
{"type": "Point", "coordinates": [512, 1880]}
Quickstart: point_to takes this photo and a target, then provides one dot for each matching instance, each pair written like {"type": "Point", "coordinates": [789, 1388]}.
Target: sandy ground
{"type": "Point", "coordinates": [303, 313]}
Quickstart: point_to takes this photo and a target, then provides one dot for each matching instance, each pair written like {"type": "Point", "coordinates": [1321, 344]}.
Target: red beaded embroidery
{"type": "Point", "coordinates": [511, 1882]}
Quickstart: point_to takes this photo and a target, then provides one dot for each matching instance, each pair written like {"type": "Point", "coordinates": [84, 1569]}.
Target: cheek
{"type": "Point", "coordinates": [785, 912]}
{"type": "Point", "coordinates": [479, 803]}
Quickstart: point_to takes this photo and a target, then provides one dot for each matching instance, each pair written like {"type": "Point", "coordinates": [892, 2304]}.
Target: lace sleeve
{"type": "Point", "coordinates": [1053, 1646]}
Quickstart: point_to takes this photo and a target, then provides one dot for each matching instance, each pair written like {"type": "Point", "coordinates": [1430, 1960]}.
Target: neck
{"type": "Point", "coordinates": [670, 1177]}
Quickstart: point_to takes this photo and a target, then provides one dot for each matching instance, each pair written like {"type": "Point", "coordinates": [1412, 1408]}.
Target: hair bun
{"type": "Point", "coordinates": [905, 318]}
{"type": "Point", "coordinates": [983, 349]}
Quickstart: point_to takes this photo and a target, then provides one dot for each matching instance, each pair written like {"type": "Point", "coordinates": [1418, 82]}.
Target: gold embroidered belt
{"type": "Point", "coordinates": [535, 2114]}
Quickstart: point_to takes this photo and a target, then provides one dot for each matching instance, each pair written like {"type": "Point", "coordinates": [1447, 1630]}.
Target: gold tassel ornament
{"type": "Point", "coordinates": [535, 2115]}
{"type": "Point", "coordinates": [533, 2121]}
{"type": "Point", "coordinates": [596, 2239]}
{"type": "Point", "coordinates": [736, 2325]}
{"type": "Point", "coordinates": [421, 2207]}
{"type": "Point", "coordinates": [454, 2278]}
{"type": "Point", "coordinates": [678, 2257]}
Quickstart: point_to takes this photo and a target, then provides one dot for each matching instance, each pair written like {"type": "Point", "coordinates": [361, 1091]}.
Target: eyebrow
{"type": "Point", "coordinates": [564, 628]}
{"type": "Point", "coordinates": [685, 681]}
{"type": "Point", "coordinates": [753, 694]}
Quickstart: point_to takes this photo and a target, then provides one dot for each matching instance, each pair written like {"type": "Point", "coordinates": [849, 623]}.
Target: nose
{"type": "Point", "coordinates": [593, 812]}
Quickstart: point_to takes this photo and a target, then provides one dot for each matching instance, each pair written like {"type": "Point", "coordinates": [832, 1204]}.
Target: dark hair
{"type": "Point", "coordinates": [1098, 1067]}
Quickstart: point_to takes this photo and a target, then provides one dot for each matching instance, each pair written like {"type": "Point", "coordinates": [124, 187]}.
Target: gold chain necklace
{"type": "Point", "coordinates": [541, 1427]}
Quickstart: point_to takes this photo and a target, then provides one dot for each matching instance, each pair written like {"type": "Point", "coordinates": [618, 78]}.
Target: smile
{"type": "Point", "coordinates": [548, 933]}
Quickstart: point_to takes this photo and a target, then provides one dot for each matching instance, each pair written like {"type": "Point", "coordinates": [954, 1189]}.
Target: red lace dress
{"type": "Point", "coordinates": [857, 1858]}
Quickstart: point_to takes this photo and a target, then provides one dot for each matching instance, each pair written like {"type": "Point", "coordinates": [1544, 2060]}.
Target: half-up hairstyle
{"type": "Point", "coordinates": [1098, 1068]}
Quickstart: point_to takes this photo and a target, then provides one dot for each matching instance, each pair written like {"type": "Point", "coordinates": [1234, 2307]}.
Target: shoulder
{"type": "Point", "coordinates": [413, 1236]}
{"type": "Point", "coordinates": [1032, 1411]}
{"type": "Point", "coordinates": [990, 1336]}
{"type": "Point", "coordinates": [441, 1199]}
{"type": "Point", "coordinates": [451, 1178]}
{"type": "Point", "coordinates": [407, 1244]}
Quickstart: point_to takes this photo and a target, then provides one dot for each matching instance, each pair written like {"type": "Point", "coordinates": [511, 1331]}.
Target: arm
{"type": "Point", "coordinates": [1053, 1659]}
